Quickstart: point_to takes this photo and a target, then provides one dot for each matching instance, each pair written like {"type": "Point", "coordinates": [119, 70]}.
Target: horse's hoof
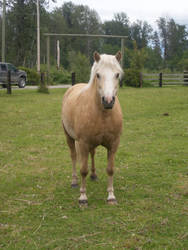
{"type": "Point", "coordinates": [74, 185]}
{"type": "Point", "coordinates": [112, 202]}
{"type": "Point", "coordinates": [83, 203]}
{"type": "Point", "coordinates": [93, 177]}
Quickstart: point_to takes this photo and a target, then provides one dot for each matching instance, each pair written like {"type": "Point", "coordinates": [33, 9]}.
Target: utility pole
{"type": "Point", "coordinates": [38, 37]}
{"type": "Point", "coordinates": [3, 31]}
{"type": "Point", "coordinates": [58, 55]}
{"type": "Point", "coordinates": [122, 51]}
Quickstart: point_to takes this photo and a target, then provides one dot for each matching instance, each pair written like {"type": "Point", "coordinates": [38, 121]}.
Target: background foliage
{"type": "Point", "coordinates": [32, 76]}
{"type": "Point", "coordinates": [79, 64]}
{"type": "Point", "coordinates": [154, 49]}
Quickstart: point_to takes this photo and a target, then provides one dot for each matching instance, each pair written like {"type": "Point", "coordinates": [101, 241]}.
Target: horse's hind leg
{"type": "Point", "coordinates": [93, 175]}
{"type": "Point", "coordinates": [71, 144]}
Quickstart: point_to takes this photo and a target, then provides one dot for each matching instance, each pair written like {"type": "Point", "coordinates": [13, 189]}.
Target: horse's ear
{"type": "Point", "coordinates": [118, 56]}
{"type": "Point", "coordinates": [96, 56]}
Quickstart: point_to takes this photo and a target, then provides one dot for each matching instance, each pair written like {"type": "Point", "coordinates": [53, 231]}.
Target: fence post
{"type": "Point", "coordinates": [185, 77]}
{"type": "Point", "coordinates": [161, 79]}
{"type": "Point", "coordinates": [42, 78]}
{"type": "Point", "coordinates": [140, 80]}
{"type": "Point", "coordinates": [121, 83]}
{"type": "Point", "coordinates": [9, 89]}
{"type": "Point", "coordinates": [73, 78]}
{"type": "Point", "coordinates": [42, 85]}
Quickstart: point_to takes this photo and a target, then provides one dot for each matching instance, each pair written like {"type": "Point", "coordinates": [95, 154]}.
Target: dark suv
{"type": "Point", "coordinates": [17, 76]}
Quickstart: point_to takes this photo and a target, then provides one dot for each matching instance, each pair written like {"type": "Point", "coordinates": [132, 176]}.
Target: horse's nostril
{"type": "Point", "coordinates": [108, 104]}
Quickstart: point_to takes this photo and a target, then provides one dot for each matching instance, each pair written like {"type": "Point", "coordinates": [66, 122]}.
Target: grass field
{"type": "Point", "coordinates": [38, 208]}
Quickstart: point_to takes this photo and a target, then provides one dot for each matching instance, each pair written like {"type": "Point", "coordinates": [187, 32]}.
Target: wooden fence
{"type": "Point", "coordinates": [160, 79]}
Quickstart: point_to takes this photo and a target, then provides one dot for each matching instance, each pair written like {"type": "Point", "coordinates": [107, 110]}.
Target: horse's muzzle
{"type": "Point", "coordinates": [108, 105]}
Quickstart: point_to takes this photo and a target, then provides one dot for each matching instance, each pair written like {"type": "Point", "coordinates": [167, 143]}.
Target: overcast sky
{"type": "Point", "coordinates": [147, 10]}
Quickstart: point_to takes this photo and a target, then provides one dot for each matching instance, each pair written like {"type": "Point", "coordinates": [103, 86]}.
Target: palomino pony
{"type": "Point", "coordinates": [91, 116]}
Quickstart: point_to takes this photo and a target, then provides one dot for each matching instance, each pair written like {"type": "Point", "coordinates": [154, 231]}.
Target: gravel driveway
{"type": "Point", "coordinates": [62, 86]}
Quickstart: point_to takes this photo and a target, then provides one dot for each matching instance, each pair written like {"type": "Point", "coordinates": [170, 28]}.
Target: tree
{"type": "Point", "coordinates": [141, 32]}
{"type": "Point", "coordinates": [165, 48]}
{"type": "Point", "coordinates": [118, 26]}
{"type": "Point", "coordinates": [163, 29]}
{"type": "Point", "coordinates": [138, 57]}
{"type": "Point", "coordinates": [0, 33]}
{"type": "Point", "coordinates": [174, 41]}
{"type": "Point", "coordinates": [81, 19]}
{"type": "Point", "coordinates": [154, 53]}
{"type": "Point", "coordinates": [21, 31]}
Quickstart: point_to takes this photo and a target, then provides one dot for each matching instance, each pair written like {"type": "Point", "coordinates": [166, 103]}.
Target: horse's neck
{"type": "Point", "coordinates": [94, 95]}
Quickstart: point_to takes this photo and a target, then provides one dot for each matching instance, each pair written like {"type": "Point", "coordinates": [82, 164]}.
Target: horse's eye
{"type": "Point", "coordinates": [98, 76]}
{"type": "Point", "coordinates": [117, 75]}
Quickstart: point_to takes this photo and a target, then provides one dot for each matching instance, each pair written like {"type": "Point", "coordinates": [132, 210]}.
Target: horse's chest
{"type": "Point", "coordinates": [103, 131]}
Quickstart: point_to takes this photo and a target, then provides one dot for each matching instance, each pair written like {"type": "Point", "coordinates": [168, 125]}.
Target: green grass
{"type": "Point", "coordinates": [38, 208]}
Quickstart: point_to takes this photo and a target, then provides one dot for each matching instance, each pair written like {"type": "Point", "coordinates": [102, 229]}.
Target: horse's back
{"type": "Point", "coordinates": [74, 91]}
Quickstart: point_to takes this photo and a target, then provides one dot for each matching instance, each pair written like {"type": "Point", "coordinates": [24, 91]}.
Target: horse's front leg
{"type": "Point", "coordinates": [93, 175]}
{"type": "Point", "coordinates": [84, 153]}
{"type": "Point", "coordinates": [110, 171]}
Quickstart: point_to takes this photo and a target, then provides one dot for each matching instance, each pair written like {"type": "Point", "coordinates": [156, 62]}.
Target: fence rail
{"type": "Point", "coordinates": [161, 79]}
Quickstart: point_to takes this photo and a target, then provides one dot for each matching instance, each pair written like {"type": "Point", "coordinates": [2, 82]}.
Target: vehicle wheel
{"type": "Point", "coordinates": [4, 85]}
{"type": "Point", "coordinates": [22, 83]}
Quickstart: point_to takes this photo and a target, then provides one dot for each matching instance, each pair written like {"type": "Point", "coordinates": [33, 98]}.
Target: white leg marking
{"type": "Point", "coordinates": [111, 197]}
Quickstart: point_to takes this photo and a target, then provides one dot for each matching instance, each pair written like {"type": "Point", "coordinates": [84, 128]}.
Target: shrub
{"type": "Point", "coordinates": [60, 76]}
{"type": "Point", "coordinates": [79, 64]}
{"type": "Point", "coordinates": [33, 77]}
{"type": "Point", "coordinates": [132, 74]}
{"type": "Point", "coordinates": [132, 77]}
{"type": "Point", "coordinates": [55, 77]}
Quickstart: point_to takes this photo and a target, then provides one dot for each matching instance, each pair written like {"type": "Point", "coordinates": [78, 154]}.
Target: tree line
{"type": "Point", "coordinates": [163, 48]}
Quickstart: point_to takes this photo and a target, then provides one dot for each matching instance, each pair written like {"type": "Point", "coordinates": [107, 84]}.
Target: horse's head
{"type": "Point", "coordinates": [107, 72]}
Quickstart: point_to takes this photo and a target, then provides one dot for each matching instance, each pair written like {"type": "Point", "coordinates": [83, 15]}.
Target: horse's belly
{"type": "Point", "coordinates": [69, 129]}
